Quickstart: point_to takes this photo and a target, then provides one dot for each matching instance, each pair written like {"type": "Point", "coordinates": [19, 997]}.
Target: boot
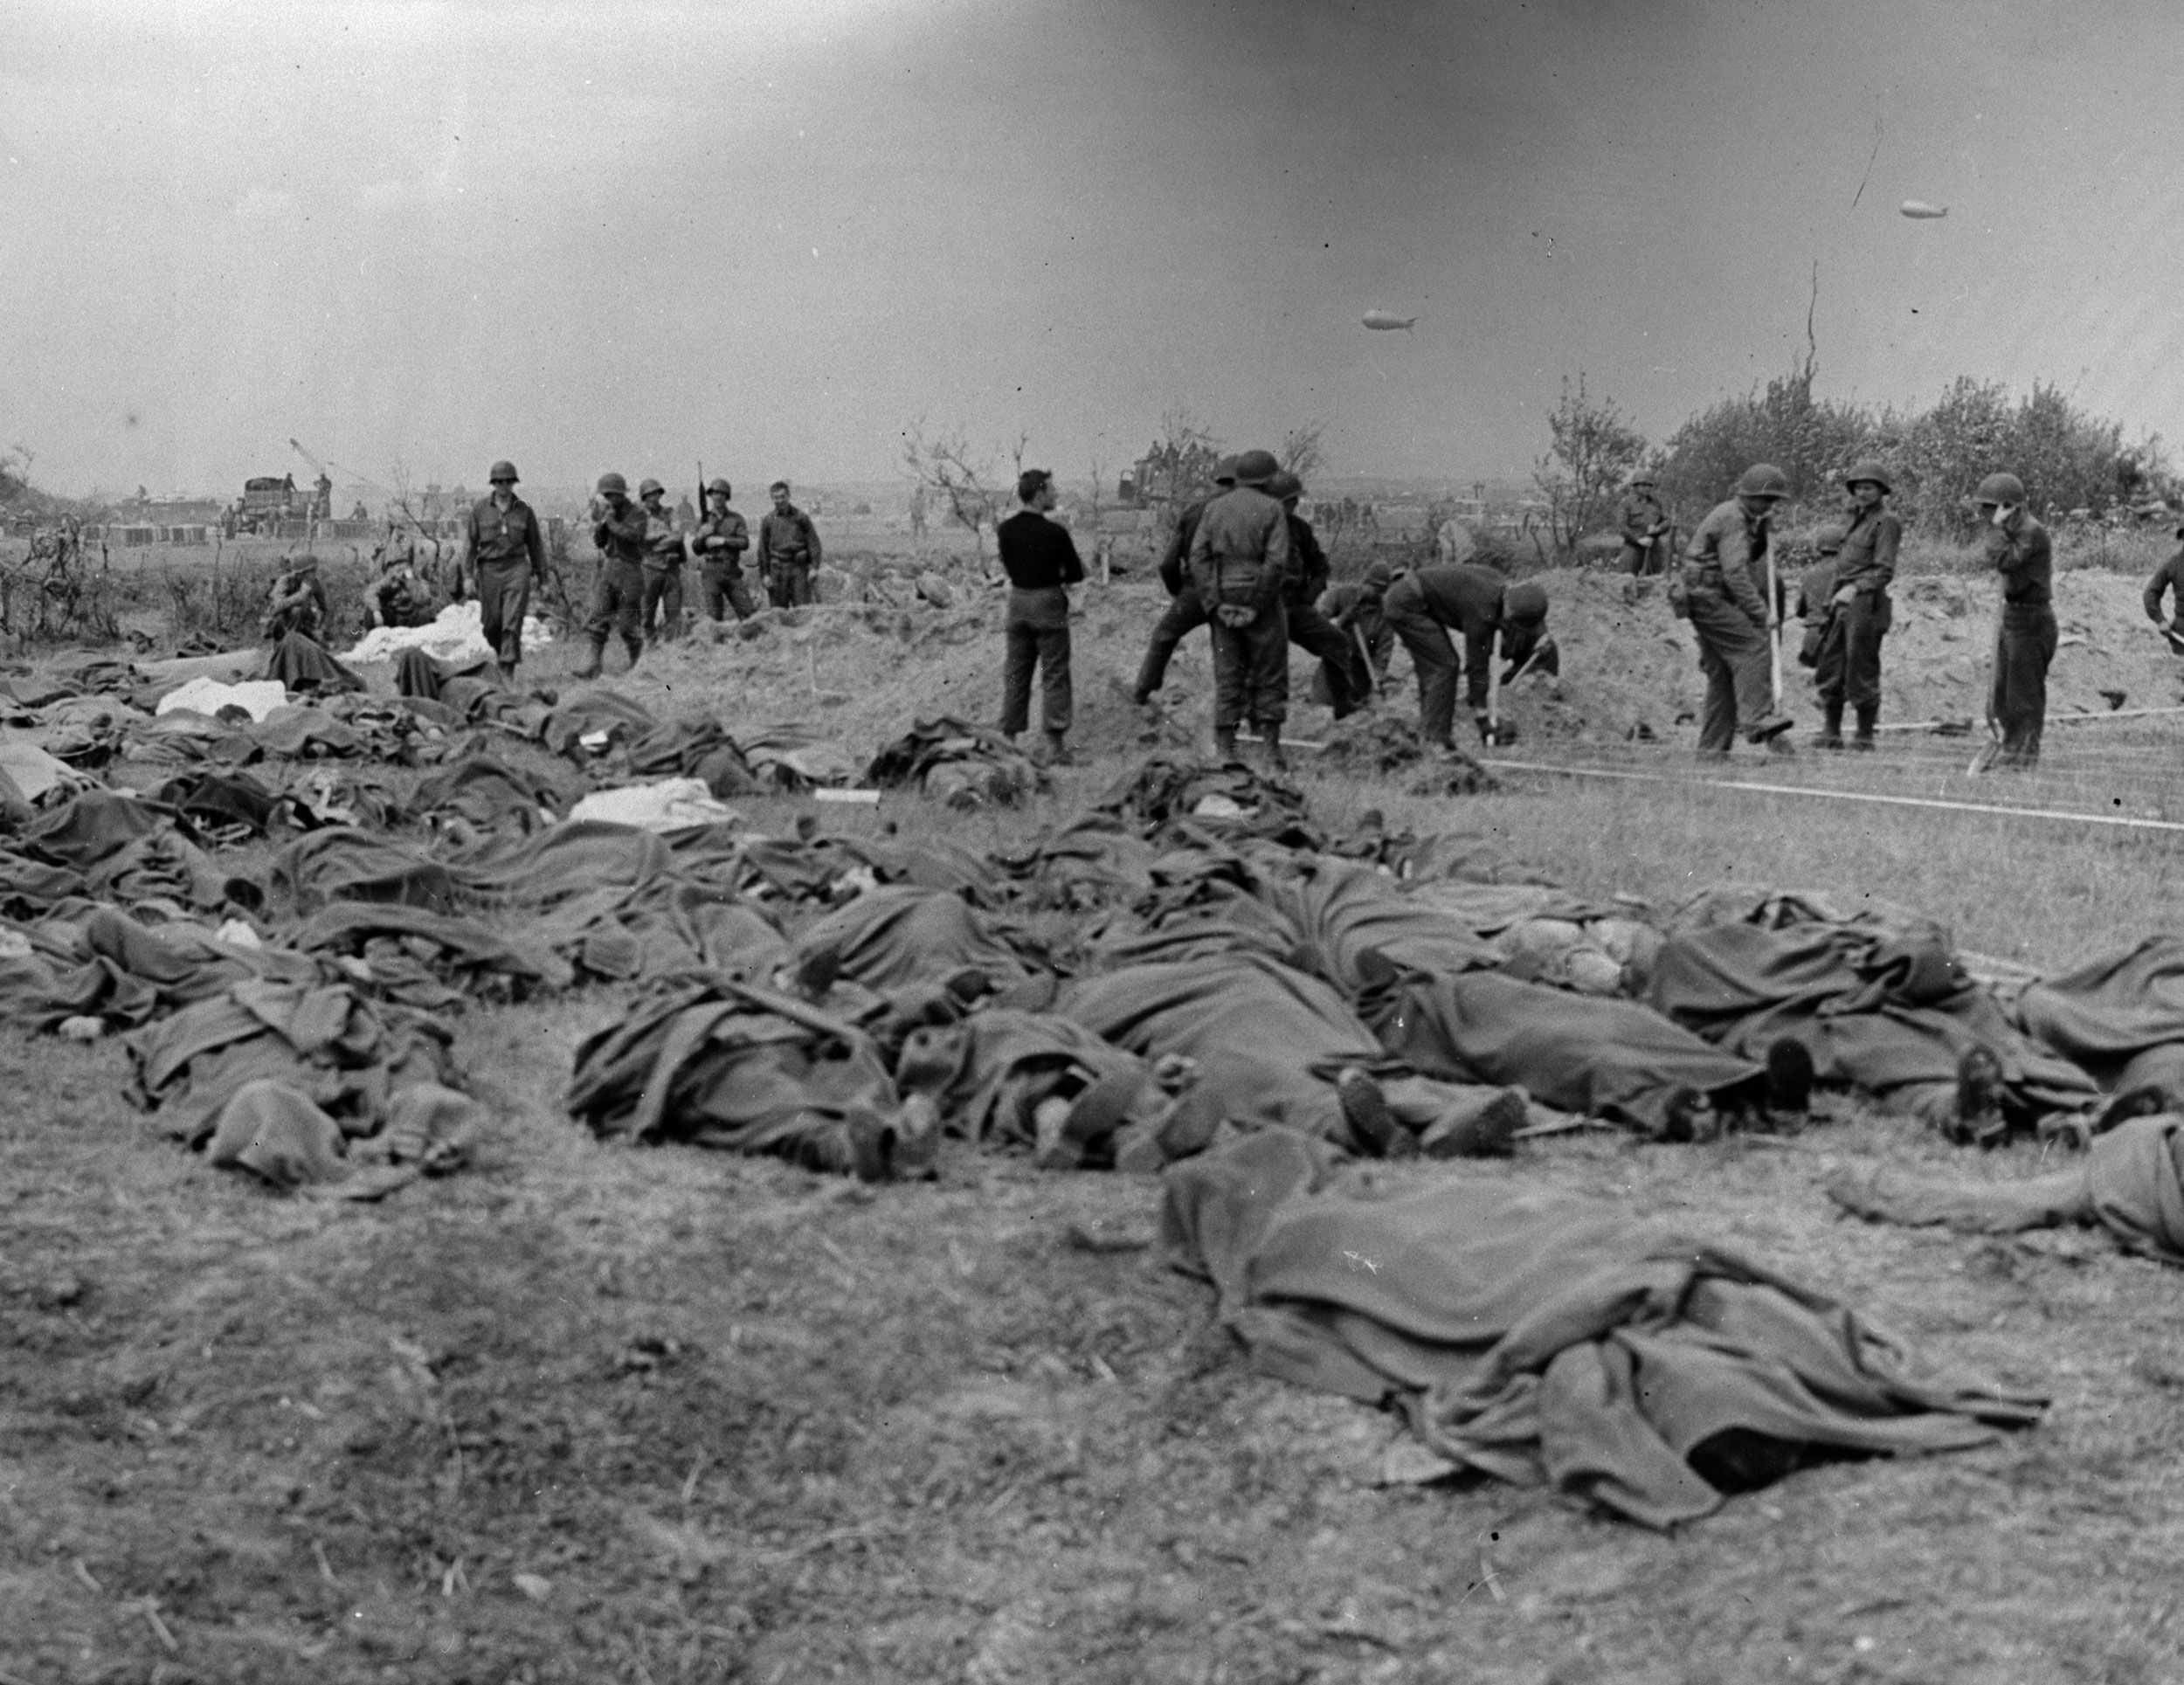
{"type": "Point", "coordinates": [507, 673]}
{"type": "Point", "coordinates": [636, 648]}
{"type": "Point", "coordinates": [591, 667]}
{"type": "Point", "coordinates": [1225, 745]}
{"type": "Point", "coordinates": [1057, 748]}
{"type": "Point", "coordinates": [1270, 735]}
{"type": "Point", "coordinates": [1771, 725]}
{"type": "Point", "coordinates": [1868, 718]}
{"type": "Point", "coordinates": [1831, 728]}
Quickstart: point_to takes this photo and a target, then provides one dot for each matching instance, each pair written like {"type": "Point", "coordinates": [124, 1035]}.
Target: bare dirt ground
{"type": "Point", "coordinates": [586, 1412]}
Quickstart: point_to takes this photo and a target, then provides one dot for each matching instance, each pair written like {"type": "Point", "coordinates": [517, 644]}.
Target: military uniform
{"type": "Point", "coordinates": [719, 542]}
{"type": "Point", "coordinates": [2169, 576]}
{"type": "Point", "coordinates": [2023, 556]}
{"type": "Point", "coordinates": [1314, 632]}
{"type": "Point", "coordinates": [1420, 608]}
{"type": "Point", "coordinates": [296, 603]}
{"type": "Point", "coordinates": [1724, 586]}
{"type": "Point", "coordinates": [1239, 556]}
{"type": "Point", "coordinates": [1848, 667]}
{"type": "Point", "coordinates": [789, 550]}
{"type": "Point", "coordinates": [1184, 614]}
{"type": "Point", "coordinates": [1645, 528]}
{"type": "Point", "coordinates": [661, 610]}
{"type": "Point", "coordinates": [617, 598]}
{"type": "Point", "coordinates": [506, 551]}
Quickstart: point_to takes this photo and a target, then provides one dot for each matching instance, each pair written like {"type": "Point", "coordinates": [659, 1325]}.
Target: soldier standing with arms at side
{"type": "Point", "coordinates": [1041, 562]}
{"type": "Point", "coordinates": [1848, 666]}
{"type": "Point", "coordinates": [617, 527]}
{"type": "Point", "coordinates": [1239, 556]}
{"type": "Point", "coordinates": [1645, 525]}
{"type": "Point", "coordinates": [2017, 548]}
{"type": "Point", "coordinates": [504, 552]}
{"type": "Point", "coordinates": [1310, 630]}
{"type": "Point", "coordinates": [788, 550]}
{"type": "Point", "coordinates": [1185, 613]}
{"type": "Point", "coordinates": [1722, 590]}
{"type": "Point", "coordinates": [718, 542]}
{"type": "Point", "coordinates": [661, 610]}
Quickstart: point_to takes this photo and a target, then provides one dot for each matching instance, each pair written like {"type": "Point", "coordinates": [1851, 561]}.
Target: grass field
{"type": "Point", "coordinates": [586, 1413]}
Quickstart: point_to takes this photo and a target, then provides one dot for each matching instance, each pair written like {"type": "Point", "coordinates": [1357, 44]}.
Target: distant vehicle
{"type": "Point", "coordinates": [270, 499]}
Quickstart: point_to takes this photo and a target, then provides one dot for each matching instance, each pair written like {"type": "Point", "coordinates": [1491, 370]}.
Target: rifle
{"type": "Point", "coordinates": [689, 546]}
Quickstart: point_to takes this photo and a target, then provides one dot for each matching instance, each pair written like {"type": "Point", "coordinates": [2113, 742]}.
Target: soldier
{"type": "Point", "coordinates": [788, 550]}
{"type": "Point", "coordinates": [1041, 562]}
{"type": "Point", "coordinates": [1239, 555]}
{"type": "Point", "coordinates": [1847, 667]}
{"type": "Point", "coordinates": [618, 528]}
{"type": "Point", "coordinates": [1310, 630]}
{"type": "Point", "coordinates": [1185, 613]}
{"type": "Point", "coordinates": [1359, 610]}
{"type": "Point", "coordinates": [296, 602]}
{"type": "Point", "coordinates": [2017, 548]}
{"type": "Point", "coordinates": [1645, 528]}
{"type": "Point", "coordinates": [2169, 576]}
{"type": "Point", "coordinates": [504, 554]}
{"type": "Point", "coordinates": [718, 543]}
{"type": "Point", "coordinates": [1723, 592]}
{"type": "Point", "coordinates": [1422, 607]}
{"type": "Point", "coordinates": [398, 597]}
{"type": "Point", "coordinates": [661, 610]}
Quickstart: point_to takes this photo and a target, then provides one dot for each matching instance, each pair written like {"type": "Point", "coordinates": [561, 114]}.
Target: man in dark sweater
{"type": "Point", "coordinates": [2169, 576]}
{"type": "Point", "coordinates": [2018, 549]}
{"type": "Point", "coordinates": [1423, 607]}
{"type": "Point", "coordinates": [1041, 560]}
{"type": "Point", "coordinates": [1186, 612]}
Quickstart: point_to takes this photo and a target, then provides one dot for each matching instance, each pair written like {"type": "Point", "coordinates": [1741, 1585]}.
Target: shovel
{"type": "Point", "coordinates": [1984, 759]}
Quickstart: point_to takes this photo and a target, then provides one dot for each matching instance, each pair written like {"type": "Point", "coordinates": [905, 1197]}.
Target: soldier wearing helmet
{"type": "Point", "coordinates": [1347, 688]}
{"type": "Point", "coordinates": [661, 611]}
{"type": "Point", "coordinates": [1421, 608]}
{"type": "Point", "coordinates": [789, 550]}
{"type": "Point", "coordinates": [504, 553]}
{"type": "Point", "coordinates": [1722, 590]}
{"type": "Point", "coordinates": [1186, 612]}
{"type": "Point", "coordinates": [1239, 556]}
{"type": "Point", "coordinates": [718, 542]}
{"type": "Point", "coordinates": [2018, 550]}
{"type": "Point", "coordinates": [296, 601]}
{"type": "Point", "coordinates": [1847, 665]}
{"type": "Point", "coordinates": [1645, 527]}
{"type": "Point", "coordinates": [2169, 576]}
{"type": "Point", "coordinates": [618, 528]}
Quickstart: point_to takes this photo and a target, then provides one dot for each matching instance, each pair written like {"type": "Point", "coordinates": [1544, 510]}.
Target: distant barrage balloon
{"type": "Point", "coordinates": [1919, 211]}
{"type": "Point", "coordinates": [1384, 321]}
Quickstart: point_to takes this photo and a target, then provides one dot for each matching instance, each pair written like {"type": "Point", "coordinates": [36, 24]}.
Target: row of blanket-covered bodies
{"type": "Point", "coordinates": [1193, 952]}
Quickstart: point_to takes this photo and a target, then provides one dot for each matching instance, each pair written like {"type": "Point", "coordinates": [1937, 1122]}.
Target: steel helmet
{"type": "Point", "coordinates": [1285, 486]}
{"type": "Point", "coordinates": [501, 470]}
{"type": "Point", "coordinates": [647, 487]}
{"type": "Point", "coordinates": [1526, 603]}
{"type": "Point", "coordinates": [1643, 477]}
{"type": "Point", "coordinates": [1763, 479]}
{"type": "Point", "coordinates": [1870, 473]}
{"type": "Point", "coordinates": [1256, 468]}
{"type": "Point", "coordinates": [613, 483]}
{"type": "Point", "coordinates": [1225, 471]}
{"type": "Point", "coordinates": [720, 486]}
{"type": "Point", "coordinates": [2002, 488]}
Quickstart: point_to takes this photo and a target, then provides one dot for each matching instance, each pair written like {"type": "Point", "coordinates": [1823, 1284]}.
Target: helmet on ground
{"type": "Point", "coordinates": [1256, 468]}
{"type": "Point", "coordinates": [720, 487]}
{"type": "Point", "coordinates": [1285, 486]}
{"type": "Point", "coordinates": [1526, 603]}
{"type": "Point", "coordinates": [501, 470]}
{"type": "Point", "coordinates": [1225, 471]}
{"type": "Point", "coordinates": [1763, 479]}
{"type": "Point", "coordinates": [2002, 488]}
{"type": "Point", "coordinates": [647, 487]}
{"type": "Point", "coordinates": [613, 483]}
{"type": "Point", "coordinates": [1868, 472]}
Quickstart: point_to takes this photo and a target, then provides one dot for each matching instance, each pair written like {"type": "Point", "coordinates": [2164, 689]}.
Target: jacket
{"type": "Point", "coordinates": [721, 540]}
{"type": "Point", "coordinates": [1467, 598]}
{"type": "Point", "coordinates": [2167, 578]}
{"type": "Point", "coordinates": [493, 535]}
{"type": "Point", "coordinates": [1730, 549]}
{"type": "Point", "coordinates": [1642, 518]}
{"type": "Point", "coordinates": [787, 537]}
{"type": "Point", "coordinates": [620, 533]}
{"type": "Point", "coordinates": [1241, 552]}
{"type": "Point", "coordinates": [2023, 556]}
{"type": "Point", "coordinates": [1308, 570]}
{"type": "Point", "coordinates": [1175, 561]}
{"type": "Point", "coordinates": [1867, 556]}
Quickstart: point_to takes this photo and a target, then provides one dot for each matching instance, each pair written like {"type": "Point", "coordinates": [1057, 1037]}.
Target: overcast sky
{"type": "Point", "coordinates": [773, 235]}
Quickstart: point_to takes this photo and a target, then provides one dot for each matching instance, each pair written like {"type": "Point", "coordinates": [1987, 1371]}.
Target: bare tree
{"type": "Point", "coordinates": [943, 463]}
{"type": "Point", "coordinates": [1304, 449]}
{"type": "Point", "coordinates": [1592, 448]}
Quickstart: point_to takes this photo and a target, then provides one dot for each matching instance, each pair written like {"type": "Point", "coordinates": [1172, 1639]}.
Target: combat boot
{"type": "Point", "coordinates": [1225, 745]}
{"type": "Point", "coordinates": [1868, 718]}
{"type": "Point", "coordinates": [1057, 749]}
{"type": "Point", "coordinates": [1270, 736]}
{"type": "Point", "coordinates": [1768, 727]}
{"type": "Point", "coordinates": [507, 673]}
{"type": "Point", "coordinates": [636, 648]}
{"type": "Point", "coordinates": [1831, 728]}
{"type": "Point", "coordinates": [591, 667]}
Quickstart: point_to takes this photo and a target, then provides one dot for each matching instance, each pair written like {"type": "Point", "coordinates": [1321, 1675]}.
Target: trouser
{"type": "Point", "coordinates": [2026, 647]}
{"type": "Point", "coordinates": [1185, 615]}
{"type": "Point", "coordinates": [1037, 630]}
{"type": "Point", "coordinates": [724, 589]}
{"type": "Point", "coordinates": [1315, 634]}
{"type": "Point", "coordinates": [1732, 654]}
{"type": "Point", "coordinates": [1435, 659]}
{"type": "Point", "coordinates": [1644, 558]}
{"type": "Point", "coordinates": [662, 611]}
{"type": "Point", "coordinates": [1849, 669]}
{"type": "Point", "coordinates": [789, 581]}
{"type": "Point", "coordinates": [504, 595]}
{"type": "Point", "coordinates": [1251, 671]}
{"type": "Point", "coordinates": [617, 605]}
